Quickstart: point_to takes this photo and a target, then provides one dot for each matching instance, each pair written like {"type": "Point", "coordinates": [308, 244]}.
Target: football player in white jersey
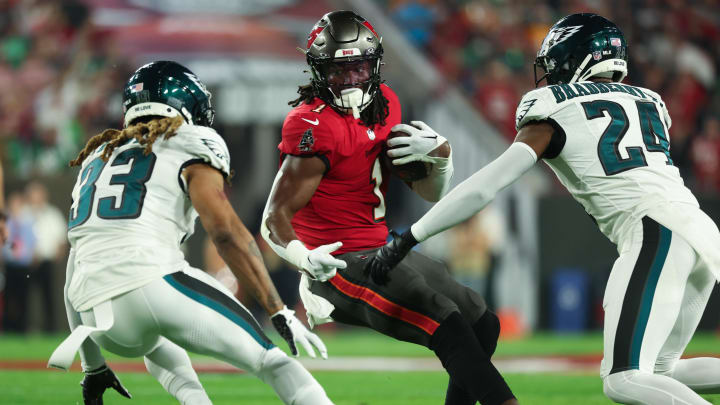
{"type": "Point", "coordinates": [608, 144]}
{"type": "Point", "coordinates": [129, 288]}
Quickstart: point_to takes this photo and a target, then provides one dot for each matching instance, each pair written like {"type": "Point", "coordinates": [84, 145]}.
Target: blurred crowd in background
{"type": "Point", "coordinates": [59, 76]}
{"type": "Point", "coordinates": [33, 259]}
{"type": "Point", "coordinates": [60, 73]}
{"type": "Point", "coordinates": [488, 49]}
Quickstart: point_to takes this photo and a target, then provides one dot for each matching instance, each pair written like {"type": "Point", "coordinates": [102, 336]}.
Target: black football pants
{"type": "Point", "coordinates": [419, 296]}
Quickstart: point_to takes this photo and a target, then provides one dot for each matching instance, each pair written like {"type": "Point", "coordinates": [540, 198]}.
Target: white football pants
{"type": "Point", "coordinates": [192, 310]}
{"type": "Point", "coordinates": [654, 299]}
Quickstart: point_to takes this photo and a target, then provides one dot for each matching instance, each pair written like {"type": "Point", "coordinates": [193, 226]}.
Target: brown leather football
{"type": "Point", "coordinates": [412, 171]}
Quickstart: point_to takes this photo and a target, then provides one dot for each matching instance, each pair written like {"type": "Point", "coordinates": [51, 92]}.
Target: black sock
{"type": "Point", "coordinates": [456, 395]}
{"type": "Point", "coordinates": [466, 361]}
{"type": "Point", "coordinates": [487, 331]}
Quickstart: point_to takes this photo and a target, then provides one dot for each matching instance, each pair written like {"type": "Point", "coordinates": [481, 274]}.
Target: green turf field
{"type": "Point", "coordinates": [356, 388]}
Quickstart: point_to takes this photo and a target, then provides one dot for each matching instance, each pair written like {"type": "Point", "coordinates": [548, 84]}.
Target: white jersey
{"type": "Point", "coordinates": [611, 151]}
{"type": "Point", "coordinates": [130, 214]}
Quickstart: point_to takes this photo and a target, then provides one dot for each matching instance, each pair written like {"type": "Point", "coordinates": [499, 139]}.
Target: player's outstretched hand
{"type": "Point", "coordinates": [321, 265]}
{"type": "Point", "coordinates": [379, 266]}
{"type": "Point", "coordinates": [97, 381]}
{"type": "Point", "coordinates": [293, 331]}
{"type": "Point", "coordinates": [421, 140]}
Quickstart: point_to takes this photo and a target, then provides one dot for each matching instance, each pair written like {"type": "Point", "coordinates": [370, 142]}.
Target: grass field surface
{"type": "Point", "coordinates": [36, 387]}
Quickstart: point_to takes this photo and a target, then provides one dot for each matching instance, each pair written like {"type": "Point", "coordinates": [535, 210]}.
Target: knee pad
{"type": "Point", "coordinates": [487, 331]}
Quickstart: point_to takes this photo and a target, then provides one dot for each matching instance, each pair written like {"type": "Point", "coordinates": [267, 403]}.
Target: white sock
{"type": "Point", "coordinates": [171, 366]}
{"type": "Point", "coordinates": [638, 388]}
{"type": "Point", "coordinates": [293, 384]}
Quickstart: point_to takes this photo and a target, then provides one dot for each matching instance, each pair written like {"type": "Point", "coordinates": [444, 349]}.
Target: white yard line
{"type": "Point", "coordinates": [529, 365]}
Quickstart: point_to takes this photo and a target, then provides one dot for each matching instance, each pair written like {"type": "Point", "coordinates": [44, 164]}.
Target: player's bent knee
{"type": "Point", "coordinates": [613, 386]}
{"type": "Point", "coordinates": [665, 366]}
{"type": "Point", "coordinates": [487, 331]}
{"type": "Point", "coordinates": [620, 388]}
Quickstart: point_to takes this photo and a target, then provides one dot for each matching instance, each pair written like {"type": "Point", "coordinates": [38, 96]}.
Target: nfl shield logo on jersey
{"type": "Point", "coordinates": [371, 134]}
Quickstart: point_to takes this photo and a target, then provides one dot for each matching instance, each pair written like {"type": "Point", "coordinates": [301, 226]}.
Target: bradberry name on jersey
{"type": "Point", "coordinates": [563, 92]}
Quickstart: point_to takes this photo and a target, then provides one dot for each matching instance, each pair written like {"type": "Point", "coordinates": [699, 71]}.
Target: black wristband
{"type": "Point", "coordinates": [409, 237]}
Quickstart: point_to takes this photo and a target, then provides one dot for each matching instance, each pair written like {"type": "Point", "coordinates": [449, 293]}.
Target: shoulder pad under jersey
{"type": "Point", "coordinates": [536, 105]}
{"type": "Point", "coordinates": [204, 144]}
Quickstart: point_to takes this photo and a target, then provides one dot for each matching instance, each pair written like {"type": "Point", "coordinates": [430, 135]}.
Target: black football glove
{"type": "Point", "coordinates": [379, 266]}
{"type": "Point", "coordinates": [293, 331]}
{"type": "Point", "coordinates": [97, 381]}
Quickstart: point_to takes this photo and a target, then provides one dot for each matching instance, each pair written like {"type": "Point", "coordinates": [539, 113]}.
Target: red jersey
{"type": "Point", "coordinates": [349, 203]}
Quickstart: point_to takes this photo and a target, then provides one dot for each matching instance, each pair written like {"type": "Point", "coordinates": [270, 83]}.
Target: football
{"type": "Point", "coordinates": [412, 171]}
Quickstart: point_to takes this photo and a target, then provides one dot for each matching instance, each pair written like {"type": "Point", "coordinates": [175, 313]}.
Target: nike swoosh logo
{"type": "Point", "coordinates": [317, 121]}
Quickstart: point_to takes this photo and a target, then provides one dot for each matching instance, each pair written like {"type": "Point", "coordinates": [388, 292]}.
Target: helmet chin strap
{"type": "Point", "coordinates": [580, 68]}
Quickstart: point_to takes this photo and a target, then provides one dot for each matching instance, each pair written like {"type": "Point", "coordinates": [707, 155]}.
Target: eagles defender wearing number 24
{"type": "Point", "coordinates": [608, 143]}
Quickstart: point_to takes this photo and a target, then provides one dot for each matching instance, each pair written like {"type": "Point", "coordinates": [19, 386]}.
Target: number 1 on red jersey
{"type": "Point", "coordinates": [379, 209]}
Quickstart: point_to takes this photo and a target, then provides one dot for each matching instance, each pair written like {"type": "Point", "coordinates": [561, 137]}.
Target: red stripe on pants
{"type": "Point", "coordinates": [380, 303]}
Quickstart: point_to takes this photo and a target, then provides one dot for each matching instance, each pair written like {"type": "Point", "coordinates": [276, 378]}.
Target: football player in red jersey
{"type": "Point", "coordinates": [326, 211]}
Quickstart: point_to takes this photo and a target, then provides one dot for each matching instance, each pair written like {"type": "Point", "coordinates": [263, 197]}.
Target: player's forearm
{"type": "Point", "coordinates": [473, 194]}
{"type": "Point", "coordinates": [278, 232]}
{"type": "Point", "coordinates": [243, 257]}
{"type": "Point", "coordinates": [437, 183]}
{"type": "Point", "coordinates": [279, 227]}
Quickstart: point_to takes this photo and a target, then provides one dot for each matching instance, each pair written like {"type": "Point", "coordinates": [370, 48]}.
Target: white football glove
{"type": "Point", "coordinates": [421, 140]}
{"type": "Point", "coordinates": [318, 263]}
{"type": "Point", "coordinates": [293, 331]}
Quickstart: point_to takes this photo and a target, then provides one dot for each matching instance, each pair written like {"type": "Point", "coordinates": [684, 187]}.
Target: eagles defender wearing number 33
{"type": "Point", "coordinates": [128, 287]}
{"type": "Point", "coordinates": [326, 211]}
{"type": "Point", "coordinates": [608, 143]}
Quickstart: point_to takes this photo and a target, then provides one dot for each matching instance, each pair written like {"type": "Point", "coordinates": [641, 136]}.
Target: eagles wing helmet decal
{"type": "Point", "coordinates": [558, 35]}
{"type": "Point", "coordinates": [524, 108]}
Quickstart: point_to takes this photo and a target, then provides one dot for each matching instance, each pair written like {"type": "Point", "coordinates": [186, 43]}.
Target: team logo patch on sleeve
{"type": "Point", "coordinates": [215, 148]}
{"type": "Point", "coordinates": [523, 109]}
{"type": "Point", "coordinates": [307, 141]}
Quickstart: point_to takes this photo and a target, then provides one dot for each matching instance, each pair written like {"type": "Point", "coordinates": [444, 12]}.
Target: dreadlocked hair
{"type": "Point", "coordinates": [144, 132]}
{"type": "Point", "coordinates": [374, 114]}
